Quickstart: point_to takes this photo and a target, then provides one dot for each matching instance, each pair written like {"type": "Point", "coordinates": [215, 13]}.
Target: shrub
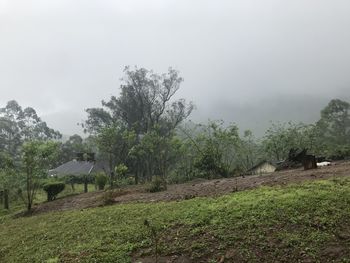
{"type": "Point", "coordinates": [124, 182]}
{"type": "Point", "coordinates": [108, 197]}
{"type": "Point", "coordinates": [121, 171]}
{"type": "Point", "coordinates": [101, 180]}
{"type": "Point", "coordinates": [53, 189]}
{"type": "Point", "coordinates": [158, 184]}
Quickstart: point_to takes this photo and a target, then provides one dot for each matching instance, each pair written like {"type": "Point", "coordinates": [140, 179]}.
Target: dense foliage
{"type": "Point", "coordinates": [53, 189]}
{"type": "Point", "coordinates": [101, 180]}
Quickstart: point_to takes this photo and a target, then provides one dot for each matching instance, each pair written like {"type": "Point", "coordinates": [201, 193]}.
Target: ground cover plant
{"type": "Point", "coordinates": [308, 222]}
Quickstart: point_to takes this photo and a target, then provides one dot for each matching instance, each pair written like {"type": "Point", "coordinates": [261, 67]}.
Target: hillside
{"type": "Point", "coordinates": [308, 222]}
{"type": "Point", "coordinates": [196, 188]}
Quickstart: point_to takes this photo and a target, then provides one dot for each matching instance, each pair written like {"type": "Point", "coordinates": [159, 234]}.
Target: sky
{"type": "Point", "coordinates": [243, 61]}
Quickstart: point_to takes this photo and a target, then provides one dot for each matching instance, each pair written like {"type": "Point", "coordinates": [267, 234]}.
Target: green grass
{"type": "Point", "coordinates": [308, 222]}
{"type": "Point", "coordinates": [41, 196]}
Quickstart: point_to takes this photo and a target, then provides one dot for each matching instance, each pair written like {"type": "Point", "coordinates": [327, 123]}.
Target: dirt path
{"type": "Point", "coordinates": [196, 188]}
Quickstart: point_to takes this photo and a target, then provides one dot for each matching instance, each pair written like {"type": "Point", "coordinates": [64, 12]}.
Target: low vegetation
{"type": "Point", "coordinates": [53, 189]}
{"type": "Point", "coordinates": [158, 184]}
{"type": "Point", "coordinates": [308, 222]}
{"type": "Point", "coordinates": [101, 180]}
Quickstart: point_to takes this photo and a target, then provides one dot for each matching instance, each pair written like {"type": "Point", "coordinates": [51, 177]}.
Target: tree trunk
{"type": "Point", "coordinates": [6, 199]}
{"type": "Point", "coordinates": [112, 179]}
{"type": "Point", "coordinates": [1, 197]}
{"type": "Point", "coordinates": [111, 168]}
{"type": "Point", "coordinates": [309, 162]}
{"type": "Point", "coordinates": [137, 177]}
{"type": "Point", "coordinates": [85, 185]}
{"type": "Point", "coordinates": [137, 172]}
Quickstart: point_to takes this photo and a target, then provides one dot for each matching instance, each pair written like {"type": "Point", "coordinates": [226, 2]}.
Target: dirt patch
{"type": "Point", "coordinates": [79, 201]}
{"type": "Point", "coordinates": [196, 188]}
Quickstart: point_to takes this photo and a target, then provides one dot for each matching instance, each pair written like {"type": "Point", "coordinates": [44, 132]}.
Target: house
{"type": "Point", "coordinates": [263, 167]}
{"type": "Point", "coordinates": [81, 166]}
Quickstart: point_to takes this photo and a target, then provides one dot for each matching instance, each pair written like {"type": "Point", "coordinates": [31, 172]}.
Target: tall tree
{"type": "Point", "coordinates": [218, 149]}
{"type": "Point", "coordinates": [335, 121]}
{"type": "Point", "coordinates": [146, 107]}
{"type": "Point", "coordinates": [73, 145]}
{"type": "Point", "coordinates": [144, 102]}
{"type": "Point", "coordinates": [114, 143]}
{"type": "Point", "coordinates": [18, 125]}
{"type": "Point", "coordinates": [8, 177]}
{"type": "Point", "coordinates": [37, 158]}
{"type": "Point", "coordinates": [281, 137]}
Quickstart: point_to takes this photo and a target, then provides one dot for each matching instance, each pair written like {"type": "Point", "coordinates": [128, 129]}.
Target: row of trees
{"type": "Point", "coordinates": [329, 137]}
{"type": "Point", "coordinates": [144, 129]}
{"type": "Point", "coordinates": [142, 133]}
{"type": "Point", "coordinates": [27, 151]}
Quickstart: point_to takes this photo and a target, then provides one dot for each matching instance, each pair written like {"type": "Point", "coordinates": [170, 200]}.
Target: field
{"type": "Point", "coordinates": [284, 219]}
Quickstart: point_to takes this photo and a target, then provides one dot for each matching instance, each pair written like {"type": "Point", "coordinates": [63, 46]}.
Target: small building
{"type": "Point", "coordinates": [264, 167]}
{"type": "Point", "coordinates": [82, 167]}
{"type": "Point", "coordinates": [78, 168]}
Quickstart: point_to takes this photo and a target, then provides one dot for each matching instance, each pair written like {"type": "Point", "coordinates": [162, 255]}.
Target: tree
{"type": "Point", "coordinates": [248, 151]}
{"type": "Point", "coordinates": [281, 137]}
{"type": "Point", "coordinates": [114, 142]}
{"type": "Point", "coordinates": [8, 179]}
{"type": "Point", "coordinates": [36, 157]}
{"type": "Point", "coordinates": [144, 102]}
{"type": "Point", "coordinates": [73, 145]}
{"type": "Point", "coordinates": [18, 125]}
{"type": "Point", "coordinates": [217, 149]}
{"type": "Point", "coordinates": [145, 108]}
{"type": "Point", "coordinates": [155, 153]}
{"type": "Point", "coordinates": [335, 122]}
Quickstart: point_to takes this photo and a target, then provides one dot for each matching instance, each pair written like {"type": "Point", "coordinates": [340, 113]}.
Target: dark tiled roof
{"type": "Point", "coordinates": [79, 168]}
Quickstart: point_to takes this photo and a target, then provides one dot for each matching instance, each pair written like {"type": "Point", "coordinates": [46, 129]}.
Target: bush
{"type": "Point", "coordinates": [108, 197]}
{"type": "Point", "coordinates": [53, 189]}
{"type": "Point", "coordinates": [101, 180]}
{"type": "Point", "coordinates": [124, 182]}
{"type": "Point", "coordinates": [158, 184]}
{"type": "Point", "coordinates": [121, 171]}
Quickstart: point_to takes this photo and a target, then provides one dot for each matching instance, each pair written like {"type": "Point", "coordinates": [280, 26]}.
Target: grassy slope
{"type": "Point", "coordinates": [310, 222]}
{"type": "Point", "coordinates": [41, 196]}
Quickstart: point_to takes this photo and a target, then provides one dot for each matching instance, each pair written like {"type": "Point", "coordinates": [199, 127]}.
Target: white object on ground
{"type": "Point", "coordinates": [321, 164]}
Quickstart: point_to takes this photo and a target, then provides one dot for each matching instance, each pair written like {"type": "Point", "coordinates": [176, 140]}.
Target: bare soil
{"type": "Point", "coordinates": [196, 188]}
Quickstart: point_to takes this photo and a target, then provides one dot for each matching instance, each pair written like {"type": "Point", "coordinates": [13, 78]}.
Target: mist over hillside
{"type": "Point", "coordinates": [255, 115]}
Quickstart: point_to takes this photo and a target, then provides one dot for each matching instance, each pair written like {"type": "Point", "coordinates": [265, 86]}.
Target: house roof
{"type": "Point", "coordinates": [79, 168]}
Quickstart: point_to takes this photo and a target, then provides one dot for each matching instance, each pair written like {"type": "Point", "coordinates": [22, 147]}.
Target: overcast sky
{"type": "Point", "coordinates": [246, 61]}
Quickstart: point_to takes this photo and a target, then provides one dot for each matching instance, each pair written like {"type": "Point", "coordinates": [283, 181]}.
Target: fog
{"type": "Point", "coordinates": [243, 61]}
